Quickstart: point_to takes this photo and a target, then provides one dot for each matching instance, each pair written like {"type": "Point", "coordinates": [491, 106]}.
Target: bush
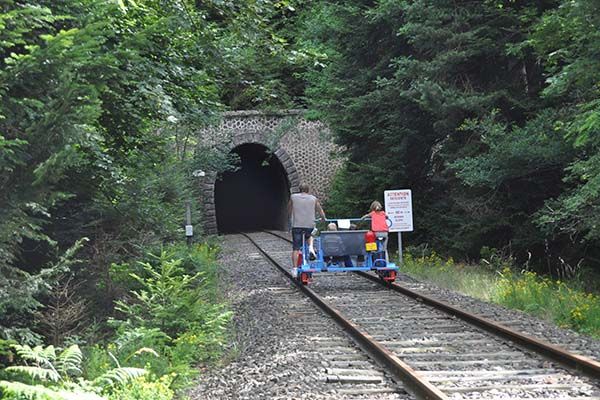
{"type": "Point", "coordinates": [169, 298]}
{"type": "Point", "coordinates": [48, 374]}
{"type": "Point", "coordinates": [170, 322]}
{"type": "Point", "coordinates": [142, 389]}
{"type": "Point", "coordinates": [563, 302]}
{"type": "Point", "coordinates": [7, 353]}
{"type": "Point", "coordinates": [21, 391]}
{"type": "Point", "coordinates": [556, 300]}
{"type": "Point", "coordinates": [172, 311]}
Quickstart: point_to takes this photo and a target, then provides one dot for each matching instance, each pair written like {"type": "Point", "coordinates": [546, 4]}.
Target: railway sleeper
{"type": "Point", "coordinates": [504, 388]}
{"type": "Point", "coordinates": [367, 391]}
{"type": "Point", "coordinates": [354, 379]}
{"type": "Point", "coordinates": [349, 363]}
{"type": "Point", "coordinates": [481, 363]}
{"type": "Point", "coordinates": [518, 372]}
{"type": "Point", "coordinates": [352, 371]}
{"type": "Point", "coordinates": [497, 377]}
{"type": "Point", "coordinates": [459, 357]}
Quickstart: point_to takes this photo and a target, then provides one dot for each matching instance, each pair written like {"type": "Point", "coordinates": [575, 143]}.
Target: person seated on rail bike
{"type": "Point", "coordinates": [302, 209]}
{"type": "Point", "coordinates": [360, 259]}
{"type": "Point", "coordinates": [335, 244]}
{"type": "Point", "coordinates": [379, 224]}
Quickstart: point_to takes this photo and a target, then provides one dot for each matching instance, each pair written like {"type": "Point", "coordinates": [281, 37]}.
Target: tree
{"type": "Point", "coordinates": [398, 91]}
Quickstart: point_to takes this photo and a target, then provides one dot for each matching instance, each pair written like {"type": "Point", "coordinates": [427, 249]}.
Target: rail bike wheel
{"type": "Point", "coordinates": [304, 278]}
{"type": "Point", "coordinates": [387, 276]}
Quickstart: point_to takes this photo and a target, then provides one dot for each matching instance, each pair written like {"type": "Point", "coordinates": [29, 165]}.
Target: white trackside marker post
{"type": "Point", "coordinates": [398, 208]}
{"type": "Point", "coordinates": [189, 229]}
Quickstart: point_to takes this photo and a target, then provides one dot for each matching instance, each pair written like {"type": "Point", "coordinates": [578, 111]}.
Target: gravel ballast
{"type": "Point", "coordinates": [283, 346]}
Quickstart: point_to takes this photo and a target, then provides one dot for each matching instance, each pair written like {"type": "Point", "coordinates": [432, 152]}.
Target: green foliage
{"type": "Point", "coordinates": [166, 299]}
{"type": "Point", "coordinates": [140, 341]}
{"type": "Point", "coordinates": [21, 391]}
{"type": "Point", "coordinates": [564, 302]}
{"type": "Point", "coordinates": [141, 361]}
{"type": "Point", "coordinates": [99, 363]}
{"type": "Point", "coordinates": [519, 155]}
{"type": "Point", "coordinates": [19, 290]}
{"type": "Point", "coordinates": [487, 110]}
{"type": "Point", "coordinates": [7, 352]}
{"type": "Point", "coordinates": [418, 70]}
{"type": "Point", "coordinates": [46, 365]}
{"type": "Point", "coordinates": [171, 318]}
{"type": "Point", "coordinates": [172, 311]}
{"type": "Point", "coordinates": [569, 46]}
{"type": "Point", "coordinates": [560, 301]}
{"type": "Point", "coordinates": [551, 159]}
{"type": "Point", "coordinates": [119, 376]}
{"type": "Point", "coordinates": [472, 280]}
{"type": "Point", "coordinates": [142, 389]}
{"type": "Point", "coordinates": [100, 103]}
{"type": "Point", "coordinates": [267, 59]}
{"type": "Point", "coordinates": [54, 375]}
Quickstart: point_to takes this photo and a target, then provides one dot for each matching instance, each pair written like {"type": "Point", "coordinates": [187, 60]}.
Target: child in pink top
{"type": "Point", "coordinates": [379, 223]}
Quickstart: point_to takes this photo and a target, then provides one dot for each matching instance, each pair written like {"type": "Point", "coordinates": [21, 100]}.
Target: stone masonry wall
{"type": "Point", "coordinates": [304, 148]}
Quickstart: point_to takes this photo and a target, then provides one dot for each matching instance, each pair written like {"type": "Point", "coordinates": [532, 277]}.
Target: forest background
{"type": "Point", "coordinates": [488, 110]}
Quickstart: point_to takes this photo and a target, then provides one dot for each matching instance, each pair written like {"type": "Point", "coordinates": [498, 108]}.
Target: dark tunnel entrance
{"type": "Point", "coordinates": [255, 196]}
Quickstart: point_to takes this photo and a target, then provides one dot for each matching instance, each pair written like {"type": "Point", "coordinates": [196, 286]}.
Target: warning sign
{"type": "Point", "coordinates": [398, 207]}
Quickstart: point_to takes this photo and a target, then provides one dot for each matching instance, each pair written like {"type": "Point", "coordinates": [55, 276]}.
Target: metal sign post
{"type": "Point", "coordinates": [398, 208]}
{"type": "Point", "coordinates": [400, 260]}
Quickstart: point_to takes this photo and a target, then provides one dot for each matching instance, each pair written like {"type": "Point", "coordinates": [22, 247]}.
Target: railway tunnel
{"type": "Point", "coordinates": [255, 195]}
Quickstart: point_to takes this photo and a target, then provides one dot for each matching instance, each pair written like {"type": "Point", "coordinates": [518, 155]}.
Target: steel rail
{"type": "Point", "coordinates": [399, 369]}
{"type": "Point", "coordinates": [577, 362]}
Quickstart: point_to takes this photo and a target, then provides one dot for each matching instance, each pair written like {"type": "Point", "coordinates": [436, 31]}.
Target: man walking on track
{"type": "Point", "coordinates": [302, 208]}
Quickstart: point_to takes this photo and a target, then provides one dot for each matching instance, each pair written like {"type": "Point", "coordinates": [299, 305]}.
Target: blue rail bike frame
{"type": "Point", "coordinates": [371, 263]}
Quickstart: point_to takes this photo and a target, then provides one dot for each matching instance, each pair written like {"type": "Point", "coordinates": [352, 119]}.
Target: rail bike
{"type": "Point", "coordinates": [344, 250]}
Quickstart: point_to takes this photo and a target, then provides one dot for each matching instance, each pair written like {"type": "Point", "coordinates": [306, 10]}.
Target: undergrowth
{"type": "Point", "coordinates": [168, 321]}
{"type": "Point", "coordinates": [498, 280]}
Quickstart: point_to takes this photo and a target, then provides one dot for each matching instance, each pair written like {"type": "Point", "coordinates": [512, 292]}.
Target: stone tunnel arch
{"type": "Point", "coordinates": [303, 146]}
{"type": "Point", "coordinates": [254, 196]}
{"type": "Point", "coordinates": [225, 208]}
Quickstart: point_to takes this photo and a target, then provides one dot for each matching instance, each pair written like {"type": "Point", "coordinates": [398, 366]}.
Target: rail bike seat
{"type": "Point", "coordinates": [343, 243]}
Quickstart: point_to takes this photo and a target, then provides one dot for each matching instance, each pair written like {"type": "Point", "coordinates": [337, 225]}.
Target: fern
{"type": "Point", "coordinates": [49, 353]}
{"type": "Point", "coordinates": [141, 337]}
{"type": "Point", "coordinates": [43, 358]}
{"type": "Point", "coordinates": [18, 391]}
{"type": "Point", "coordinates": [69, 361]}
{"type": "Point", "coordinates": [39, 355]}
{"type": "Point", "coordinates": [119, 376]}
{"type": "Point", "coordinates": [80, 396]}
{"type": "Point", "coordinates": [48, 368]}
{"type": "Point", "coordinates": [52, 369]}
{"type": "Point", "coordinates": [21, 391]}
{"type": "Point", "coordinates": [35, 373]}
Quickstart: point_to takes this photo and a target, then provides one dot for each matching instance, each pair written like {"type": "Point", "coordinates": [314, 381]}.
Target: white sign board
{"type": "Point", "coordinates": [398, 207]}
{"type": "Point", "coordinates": [189, 230]}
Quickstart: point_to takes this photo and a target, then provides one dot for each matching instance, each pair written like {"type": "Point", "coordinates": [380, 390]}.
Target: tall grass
{"type": "Point", "coordinates": [557, 300]}
{"type": "Point", "coordinates": [563, 302]}
{"type": "Point", "coordinates": [469, 279]}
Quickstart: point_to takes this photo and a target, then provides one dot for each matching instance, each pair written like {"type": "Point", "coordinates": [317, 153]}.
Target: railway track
{"type": "Point", "coordinates": [285, 347]}
{"type": "Point", "coordinates": [435, 353]}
